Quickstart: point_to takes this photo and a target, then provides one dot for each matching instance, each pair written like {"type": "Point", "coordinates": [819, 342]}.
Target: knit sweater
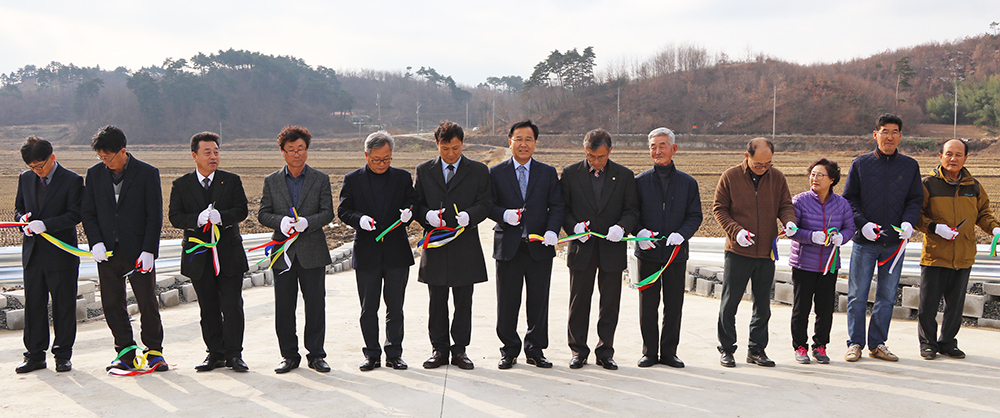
{"type": "Point", "coordinates": [884, 189]}
{"type": "Point", "coordinates": [812, 216]}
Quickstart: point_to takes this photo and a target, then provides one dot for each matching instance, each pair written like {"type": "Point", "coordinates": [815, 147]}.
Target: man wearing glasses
{"type": "Point", "coordinates": [123, 213]}
{"type": "Point", "coordinates": [48, 198]}
{"type": "Point", "coordinates": [372, 200]}
{"type": "Point", "coordinates": [303, 263]}
{"type": "Point", "coordinates": [748, 200]}
{"type": "Point", "coordinates": [885, 192]}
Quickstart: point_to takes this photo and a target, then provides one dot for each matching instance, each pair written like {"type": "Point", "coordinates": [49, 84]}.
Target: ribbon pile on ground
{"type": "Point", "coordinates": [648, 281]}
{"type": "Point", "coordinates": [55, 241]}
{"type": "Point", "coordinates": [139, 363]}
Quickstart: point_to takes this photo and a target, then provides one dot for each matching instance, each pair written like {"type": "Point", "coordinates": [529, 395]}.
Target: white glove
{"type": "Point", "coordinates": [675, 239]}
{"type": "Point", "coordinates": [512, 216]}
{"type": "Point", "coordinates": [24, 228]}
{"type": "Point", "coordinates": [819, 238]}
{"type": "Point", "coordinates": [946, 232]}
{"type": "Point", "coordinates": [36, 227]}
{"type": "Point", "coordinates": [551, 238]}
{"type": "Point", "coordinates": [790, 229]}
{"type": "Point", "coordinates": [869, 231]}
{"type": "Point", "coordinates": [215, 217]}
{"type": "Point", "coordinates": [996, 231]}
{"type": "Point", "coordinates": [144, 263]}
{"type": "Point", "coordinates": [434, 218]}
{"type": "Point", "coordinates": [837, 239]}
{"type": "Point", "coordinates": [367, 223]}
{"type": "Point", "coordinates": [203, 217]}
{"type": "Point", "coordinates": [301, 225]}
{"type": "Point", "coordinates": [580, 228]}
{"type": "Point", "coordinates": [907, 230]}
{"type": "Point", "coordinates": [615, 233]}
{"type": "Point", "coordinates": [286, 226]}
{"type": "Point", "coordinates": [98, 252]}
{"type": "Point", "coordinates": [405, 215]}
{"type": "Point", "coordinates": [643, 244]}
{"type": "Point", "coordinates": [463, 219]}
{"type": "Point", "coordinates": [744, 238]}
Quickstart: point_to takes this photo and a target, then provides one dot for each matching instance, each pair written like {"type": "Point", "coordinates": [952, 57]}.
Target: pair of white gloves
{"type": "Point", "coordinates": [615, 233]}
{"type": "Point", "coordinates": [745, 238]}
{"type": "Point", "coordinates": [873, 231]}
{"type": "Point", "coordinates": [33, 227]}
{"type": "Point", "coordinates": [209, 215]}
{"type": "Point", "coordinates": [144, 264]}
{"type": "Point", "coordinates": [368, 223]}
{"type": "Point", "coordinates": [672, 239]}
{"type": "Point", "coordinates": [949, 233]}
{"type": "Point", "coordinates": [436, 218]}
{"type": "Point", "coordinates": [513, 217]}
{"type": "Point", "coordinates": [289, 226]}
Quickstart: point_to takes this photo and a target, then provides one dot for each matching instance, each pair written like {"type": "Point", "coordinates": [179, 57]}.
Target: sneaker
{"type": "Point", "coordinates": [802, 355]}
{"type": "Point", "coordinates": [820, 354]}
{"type": "Point", "coordinates": [954, 352]}
{"type": "Point", "coordinates": [928, 353]}
{"type": "Point", "coordinates": [882, 353]}
{"type": "Point", "coordinates": [853, 353]}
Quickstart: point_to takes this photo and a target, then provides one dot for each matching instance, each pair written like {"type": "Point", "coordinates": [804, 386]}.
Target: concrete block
{"type": "Point", "coordinates": [692, 269]}
{"type": "Point", "coordinates": [16, 294]}
{"type": "Point", "coordinates": [182, 278]}
{"type": "Point", "coordinates": [992, 323]}
{"type": "Point", "coordinates": [842, 303]}
{"type": "Point", "coordinates": [992, 288]}
{"type": "Point", "coordinates": [909, 280]}
{"type": "Point", "coordinates": [171, 298]}
{"type": "Point", "coordinates": [257, 279]}
{"type": "Point", "coordinates": [974, 306]}
{"type": "Point", "coordinates": [187, 290]}
{"type": "Point", "coordinates": [911, 297]}
{"type": "Point", "coordinates": [85, 287]}
{"type": "Point", "coordinates": [165, 281]}
{"type": "Point", "coordinates": [704, 287]}
{"type": "Point", "coordinates": [784, 292]}
{"type": "Point", "coordinates": [717, 291]}
{"type": "Point", "coordinates": [15, 319]}
{"type": "Point", "coordinates": [842, 286]}
{"type": "Point", "coordinates": [939, 317]}
{"type": "Point", "coordinates": [268, 277]}
{"type": "Point", "coordinates": [3, 302]}
{"type": "Point", "coordinates": [129, 294]}
{"type": "Point", "coordinates": [81, 309]}
{"type": "Point", "coordinates": [710, 272]}
{"type": "Point", "coordinates": [783, 277]}
{"type": "Point", "coordinates": [132, 309]}
{"type": "Point", "coordinates": [247, 283]}
{"type": "Point", "coordinates": [899, 312]}
{"type": "Point", "coordinates": [689, 281]}
{"type": "Point", "coordinates": [345, 265]}
{"type": "Point", "coordinates": [337, 268]}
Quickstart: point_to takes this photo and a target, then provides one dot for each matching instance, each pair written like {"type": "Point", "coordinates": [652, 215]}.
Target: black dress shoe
{"type": "Point", "coordinates": [673, 361]}
{"type": "Point", "coordinates": [370, 364]}
{"type": "Point", "coordinates": [540, 361]}
{"type": "Point", "coordinates": [211, 362]}
{"type": "Point", "coordinates": [238, 364]}
{"type": "Point", "coordinates": [506, 363]}
{"type": "Point", "coordinates": [63, 365]}
{"type": "Point", "coordinates": [463, 362]}
{"type": "Point", "coordinates": [395, 363]}
{"type": "Point", "coordinates": [759, 358]}
{"type": "Point", "coordinates": [30, 365]}
{"type": "Point", "coordinates": [607, 363]}
{"type": "Point", "coordinates": [647, 361]}
{"type": "Point", "coordinates": [319, 365]}
{"type": "Point", "coordinates": [727, 360]}
{"type": "Point", "coordinates": [577, 362]}
{"type": "Point", "coordinates": [437, 360]}
{"type": "Point", "coordinates": [287, 364]}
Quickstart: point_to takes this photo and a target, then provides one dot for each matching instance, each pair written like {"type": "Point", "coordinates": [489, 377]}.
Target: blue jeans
{"type": "Point", "coordinates": [864, 258]}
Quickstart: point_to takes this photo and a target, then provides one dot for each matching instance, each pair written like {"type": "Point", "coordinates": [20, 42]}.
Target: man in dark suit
{"type": "Point", "coordinates": [304, 262]}
{"type": "Point", "coordinates": [372, 199]}
{"type": "Point", "coordinates": [527, 200]}
{"type": "Point", "coordinates": [199, 200]}
{"type": "Point", "coordinates": [443, 184]}
{"type": "Point", "coordinates": [123, 212]}
{"type": "Point", "coordinates": [48, 198]}
{"type": "Point", "coordinates": [600, 196]}
{"type": "Point", "coordinates": [669, 207]}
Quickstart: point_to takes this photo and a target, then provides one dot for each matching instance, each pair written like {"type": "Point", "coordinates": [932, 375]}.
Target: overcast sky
{"type": "Point", "coordinates": [471, 40]}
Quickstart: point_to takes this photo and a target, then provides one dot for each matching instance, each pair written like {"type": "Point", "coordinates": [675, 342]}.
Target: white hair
{"type": "Point", "coordinates": [662, 132]}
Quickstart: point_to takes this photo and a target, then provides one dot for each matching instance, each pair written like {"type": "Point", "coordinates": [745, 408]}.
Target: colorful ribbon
{"type": "Point", "coordinates": [896, 256]}
{"type": "Point", "coordinates": [139, 363]}
{"type": "Point", "coordinates": [831, 262]}
{"type": "Point", "coordinates": [55, 241]}
{"type": "Point", "coordinates": [390, 228]}
{"type": "Point", "coordinates": [282, 250]}
{"type": "Point", "coordinates": [214, 241]}
{"type": "Point", "coordinates": [648, 281]}
{"type": "Point", "coordinates": [993, 246]}
{"type": "Point", "coordinates": [444, 235]}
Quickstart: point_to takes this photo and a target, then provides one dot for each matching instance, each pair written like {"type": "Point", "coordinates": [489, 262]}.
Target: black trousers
{"type": "Point", "coordinates": [519, 272]}
{"type": "Point", "coordinates": [581, 291]}
{"type": "Point", "coordinates": [738, 270]}
{"type": "Point", "coordinates": [657, 344]}
{"type": "Point", "coordinates": [39, 284]}
{"type": "Point", "coordinates": [812, 287]}
{"type": "Point", "coordinates": [461, 322]}
{"type": "Point", "coordinates": [373, 285]}
{"type": "Point", "coordinates": [936, 282]}
{"type": "Point", "coordinates": [286, 289]}
{"type": "Point", "coordinates": [110, 275]}
{"type": "Point", "coordinates": [220, 299]}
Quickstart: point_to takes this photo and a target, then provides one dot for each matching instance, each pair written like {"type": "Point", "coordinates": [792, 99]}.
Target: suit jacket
{"type": "Point", "coordinates": [356, 200]}
{"type": "Point", "coordinates": [543, 208]}
{"type": "Point", "coordinates": [135, 220]}
{"type": "Point", "coordinates": [618, 206]}
{"type": "Point", "coordinates": [60, 211]}
{"type": "Point", "coordinates": [460, 262]}
{"type": "Point", "coordinates": [187, 200]}
{"type": "Point", "coordinates": [315, 204]}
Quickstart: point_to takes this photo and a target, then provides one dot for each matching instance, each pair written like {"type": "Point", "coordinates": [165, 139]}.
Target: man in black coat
{"type": "Point", "coordinates": [123, 212]}
{"type": "Point", "coordinates": [527, 200]}
{"type": "Point", "coordinates": [372, 199]}
{"type": "Point", "coordinates": [200, 200]}
{"type": "Point", "coordinates": [445, 185]}
{"type": "Point", "coordinates": [669, 207]}
{"type": "Point", "coordinates": [48, 197]}
{"type": "Point", "coordinates": [600, 196]}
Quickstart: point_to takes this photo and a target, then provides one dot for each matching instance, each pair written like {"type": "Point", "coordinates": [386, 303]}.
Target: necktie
{"type": "Point", "coordinates": [451, 172]}
{"type": "Point", "coordinates": [206, 182]}
{"type": "Point", "coordinates": [522, 180]}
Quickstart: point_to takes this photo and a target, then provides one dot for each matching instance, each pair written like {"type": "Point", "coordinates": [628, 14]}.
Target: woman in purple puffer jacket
{"type": "Point", "coordinates": [816, 212]}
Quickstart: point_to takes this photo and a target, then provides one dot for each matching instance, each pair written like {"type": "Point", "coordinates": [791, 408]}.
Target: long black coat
{"type": "Point", "coordinates": [356, 200]}
{"type": "Point", "coordinates": [619, 205]}
{"type": "Point", "coordinates": [135, 220]}
{"type": "Point", "coordinates": [187, 200]}
{"type": "Point", "coordinates": [60, 211]}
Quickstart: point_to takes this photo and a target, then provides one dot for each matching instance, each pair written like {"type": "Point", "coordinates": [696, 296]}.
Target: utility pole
{"type": "Point", "coordinates": [618, 123]}
{"type": "Point", "coordinates": [378, 98]}
{"type": "Point", "coordinates": [955, 129]}
{"type": "Point", "coordinates": [774, 112]}
{"type": "Point", "coordinates": [466, 115]}
{"type": "Point", "coordinates": [493, 120]}
{"type": "Point", "coordinates": [418, 117]}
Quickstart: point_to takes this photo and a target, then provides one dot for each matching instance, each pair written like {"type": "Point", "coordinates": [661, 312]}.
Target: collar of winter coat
{"type": "Point", "coordinates": [966, 178]}
{"type": "Point", "coordinates": [888, 157]}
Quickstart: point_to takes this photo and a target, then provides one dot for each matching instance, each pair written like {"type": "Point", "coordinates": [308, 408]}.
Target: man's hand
{"type": "Point", "coordinates": [462, 219]}
{"type": "Point", "coordinates": [405, 215]}
{"type": "Point", "coordinates": [203, 217]}
{"type": "Point", "coordinates": [675, 239]}
{"type": "Point", "coordinates": [98, 252]}
{"type": "Point", "coordinates": [819, 237]}
{"type": "Point", "coordinates": [215, 217]}
{"type": "Point", "coordinates": [946, 232]}
{"type": "Point", "coordinates": [24, 218]}
{"type": "Point", "coordinates": [871, 231]}
{"type": "Point", "coordinates": [551, 238]}
{"type": "Point", "coordinates": [837, 239]}
{"type": "Point", "coordinates": [996, 231]}
{"type": "Point", "coordinates": [643, 244]}
{"type": "Point", "coordinates": [615, 233]}
{"type": "Point", "coordinates": [512, 216]}
{"type": "Point", "coordinates": [791, 229]}
{"type": "Point", "coordinates": [36, 227]}
{"type": "Point", "coordinates": [580, 228]}
{"type": "Point", "coordinates": [144, 263]}
{"type": "Point", "coordinates": [301, 225]}
{"type": "Point", "coordinates": [434, 218]}
{"type": "Point", "coordinates": [367, 223]}
{"type": "Point", "coordinates": [286, 226]}
{"type": "Point", "coordinates": [907, 230]}
{"type": "Point", "coordinates": [744, 238]}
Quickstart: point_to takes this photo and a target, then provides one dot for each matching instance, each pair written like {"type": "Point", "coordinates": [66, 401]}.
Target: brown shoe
{"type": "Point", "coordinates": [462, 361]}
{"type": "Point", "coordinates": [437, 360]}
{"type": "Point", "coordinates": [882, 353]}
{"type": "Point", "coordinates": [853, 353]}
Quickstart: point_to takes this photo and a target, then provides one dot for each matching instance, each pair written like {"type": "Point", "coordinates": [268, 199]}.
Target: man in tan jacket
{"type": "Point", "coordinates": [749, 200]}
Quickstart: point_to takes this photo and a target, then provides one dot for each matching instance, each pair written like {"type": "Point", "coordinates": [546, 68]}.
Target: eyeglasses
{"type": "Point", "coordinates": [526, 140]}
{"type": "Point", "coordinates": [112, 157]}
{"type": "Point", "coordinates": [818, 176]}
{"type": "Point", "coordinates": [296, 152]}
{"type": "Point", "coordinates": [380, 161]}
{"type": "Point", "coordinates": [39, 166]}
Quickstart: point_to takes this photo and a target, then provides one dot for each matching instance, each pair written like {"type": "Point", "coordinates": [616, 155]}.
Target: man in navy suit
{"type": "Point", "coordinates": [48, 198]}
{"type": "Point", "coordinates": [123, 212]}
{"type": "Point", "coordinates": [372, 199]}
{"type": "Point", "coordinates": [527, 199]}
